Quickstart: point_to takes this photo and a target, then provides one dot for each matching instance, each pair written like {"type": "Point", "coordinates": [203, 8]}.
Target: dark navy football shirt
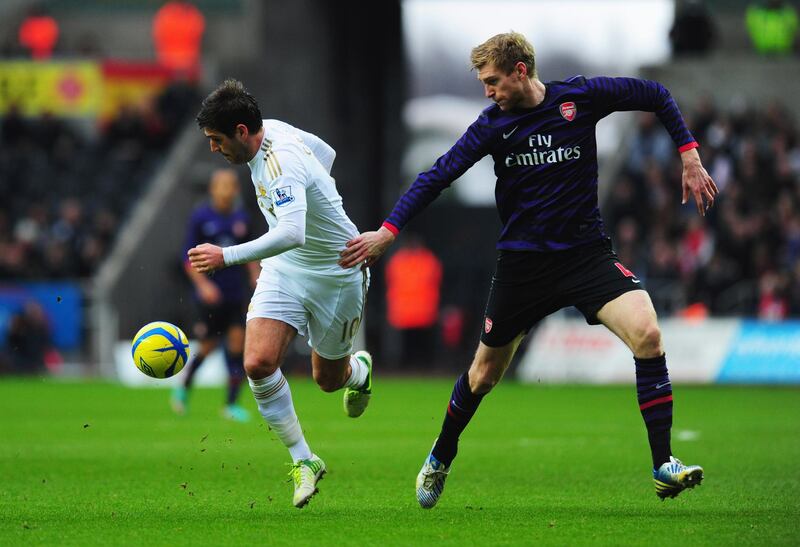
{"type": "Point", "coordinates": [545, 160]}
{"type": "Point", "coordinates": [207, 225]}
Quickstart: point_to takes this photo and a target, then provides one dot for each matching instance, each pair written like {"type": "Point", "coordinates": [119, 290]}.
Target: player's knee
{"type": "Point", "coordinates": [328, 382]}
{"type": "Point", "coordinates": [483, 379]}
{"type": "Point", "coordinates": [257, 368]}
{"type": "Point", "coordinates": [647, 342]}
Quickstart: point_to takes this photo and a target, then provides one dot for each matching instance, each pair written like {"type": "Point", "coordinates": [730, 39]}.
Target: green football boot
{"type": "Point", "coordinates": [306, 474]}
{"type": "Point", "coordinates": [356, 400]}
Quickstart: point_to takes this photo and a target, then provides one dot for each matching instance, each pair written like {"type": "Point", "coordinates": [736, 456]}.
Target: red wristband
{"type": "Point", "coordinates": [391, 227]}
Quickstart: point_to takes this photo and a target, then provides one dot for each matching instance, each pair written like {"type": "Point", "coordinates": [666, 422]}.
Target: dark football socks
{"type": "Point", "coordinates": [462, 406]}
{"type": "Point", "coordinates": [235, 365]}
{"type": "Point", "coordinates": [654, 391]}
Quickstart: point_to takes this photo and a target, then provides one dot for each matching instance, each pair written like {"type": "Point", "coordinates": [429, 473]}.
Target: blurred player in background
{"type": "Point", "coordinates": [222, 298]}
{"type": "Point", "coordinates": [301, 288]}
{"type": "Point", "coordinates": [553, 251]}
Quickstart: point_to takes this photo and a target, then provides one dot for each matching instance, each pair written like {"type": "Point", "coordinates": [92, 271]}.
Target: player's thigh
{"type": "Point", "coordinates": [632, 318]}
{"type": "Point", "coordinates": [490, 363]}
{"type": "Point", "coordinates": [275, 316]}
{"type": "Point", "coordinates": [280, 295]}
{"type": "Point", "coordinates": [265, 346]}
{"type": "Point", "coordinates": [336, 307]}
{"type": "Point", "coordinates": [593, 278]}
{"type": "Point", "coordinates": [521, 294]}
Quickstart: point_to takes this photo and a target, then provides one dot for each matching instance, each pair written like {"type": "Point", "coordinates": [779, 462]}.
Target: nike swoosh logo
{"type": "Point", "coordinates": [636, 280]}
{"type": "Point", "coordinates": [506, 135]}
{"type": "Point", "coordinates": [659, 386]}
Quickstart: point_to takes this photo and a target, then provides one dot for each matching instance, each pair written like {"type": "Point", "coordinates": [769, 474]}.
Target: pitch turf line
{"type": "Point", "coordinates": [87, 464]}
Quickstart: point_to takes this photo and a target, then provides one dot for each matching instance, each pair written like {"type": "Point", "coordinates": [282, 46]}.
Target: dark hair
{"type": "Point", "coordinates": [228, 106]}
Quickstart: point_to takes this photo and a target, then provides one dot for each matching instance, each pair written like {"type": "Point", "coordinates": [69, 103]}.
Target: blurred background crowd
{"type": "Point", "coordinates": [72, 175]}
{"type": "Point", "coordinates": [743, 258]}
{"type": "Point", "coordinates": [64, 192]}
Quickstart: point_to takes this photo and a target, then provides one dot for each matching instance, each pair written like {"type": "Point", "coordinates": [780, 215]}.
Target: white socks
{"type": "Point", "coordinates": [358, 373]}
{"type": "Point", "coordinates": [274, 401]}
{"type": "Point", "coordinates": [275, 404]}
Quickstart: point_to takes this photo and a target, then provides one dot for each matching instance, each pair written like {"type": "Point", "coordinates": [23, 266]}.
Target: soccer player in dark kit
{"type": "Point", "coordinates": [553, 251]}
{"type": "Point", "coordinates": [222, 298]}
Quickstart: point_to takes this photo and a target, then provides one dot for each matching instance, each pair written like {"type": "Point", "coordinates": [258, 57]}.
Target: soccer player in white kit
{"type": "Point", "coordinates": [301, 288]}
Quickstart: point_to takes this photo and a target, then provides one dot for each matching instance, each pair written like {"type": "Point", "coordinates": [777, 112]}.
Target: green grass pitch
{"type": "Point", "coordinates": [95, 463]}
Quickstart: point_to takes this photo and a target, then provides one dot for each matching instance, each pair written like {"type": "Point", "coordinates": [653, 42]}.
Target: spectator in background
{"type": "Point", "coordinates": [628, 243]}
{"type": "Point", "coordinates": [623, 202]}
{"type": "Point", "coordinates": [126, 136]}
{"type": "Point", "coordinates": [15, 131]}
{"type": "Point", "coordinates": [38, 34]}
{"type": "Point", "coordinates": [696, 246]}
{"type": "Point", "coordinates": [29, 341]}
{"type": "Point", "coordinates": [176, 101]}
{"type": "Point", "coordinates": [177, 32]}
{"type": "Point", "coordinates": [693, 31]}
{"type": "Point", "coordinates": [70, 227]}
{"type": "Point", "coordinates": [13, 260]}
{"type": "Point", "coordinates": [773, 301]}
{"type": "Point", "coordinates": [652, 144]}
{"type": "Point", "coordinates": [663, 275]}
{"type": "Point", "coordinates": [55, 137]}
{"type": "Point", "coordinates": [772, 26]}
{"type": "Point", "coordinates": [413, 283]}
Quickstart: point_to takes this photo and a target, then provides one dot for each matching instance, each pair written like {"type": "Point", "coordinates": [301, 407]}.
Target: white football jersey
{"type": "Point", "coordinates": [288, 176]}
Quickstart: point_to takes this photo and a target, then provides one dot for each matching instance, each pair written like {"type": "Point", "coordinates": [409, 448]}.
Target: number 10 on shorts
{"type": "Point", "coordinates": [350, 328]}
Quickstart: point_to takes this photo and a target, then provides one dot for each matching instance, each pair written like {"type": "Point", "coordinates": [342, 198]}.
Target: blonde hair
{"type": "Point", "coordinates": [504, 51]}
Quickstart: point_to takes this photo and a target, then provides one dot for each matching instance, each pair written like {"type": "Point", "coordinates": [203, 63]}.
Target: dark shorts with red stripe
{"type": "Point", "coordinates": [529, 286]}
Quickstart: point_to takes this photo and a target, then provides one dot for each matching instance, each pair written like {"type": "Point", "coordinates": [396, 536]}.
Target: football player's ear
{"type": "Point", "coordinates": [242, 131]}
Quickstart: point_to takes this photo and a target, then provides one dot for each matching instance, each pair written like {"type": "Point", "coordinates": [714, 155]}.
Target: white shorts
{"type": "Point", "coordinates": [328, 309]}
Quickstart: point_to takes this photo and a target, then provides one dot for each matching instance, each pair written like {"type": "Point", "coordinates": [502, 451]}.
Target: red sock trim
{"type": "Point", "coordinates": [655, 402]}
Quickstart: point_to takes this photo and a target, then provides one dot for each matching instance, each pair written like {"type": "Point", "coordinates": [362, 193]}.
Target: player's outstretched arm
{"type": "Point", "coordinates": [206, 258]}
{"type": "Point", "coordinates": [697, 182]}
{"type": "Point", "coordinates": [366, 248]}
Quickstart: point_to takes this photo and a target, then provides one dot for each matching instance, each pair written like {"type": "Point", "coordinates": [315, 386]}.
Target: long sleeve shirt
{"type": "Point", "coordinates": [545, 160]}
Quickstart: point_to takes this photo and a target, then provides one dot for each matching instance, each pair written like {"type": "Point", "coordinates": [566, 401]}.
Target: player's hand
{"type": "Point", "coordinates": [206, 258]}
{"type": "Point", "coordinates": [209, 294]}
{"type": "Point", "coordinates": [697, 182]}
{"type": "Point", "coordinates": [366, 248]}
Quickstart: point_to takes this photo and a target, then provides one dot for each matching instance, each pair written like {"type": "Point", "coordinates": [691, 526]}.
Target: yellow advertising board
{"type": "Point", "coordinates": [91, 89]}
{"type": "Point", "coordinates": [62, 88]}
